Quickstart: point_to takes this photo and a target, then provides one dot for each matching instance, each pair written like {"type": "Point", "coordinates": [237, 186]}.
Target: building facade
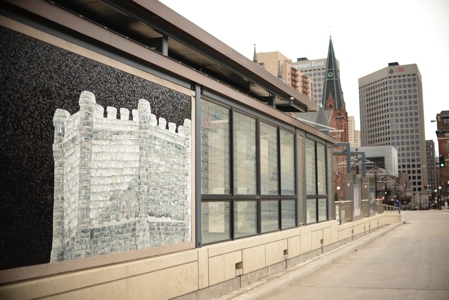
{"type": "Point", "coordinates": [382, 164]}
{"type": "Point", "coordinates": [112, 148]}
{"type": "Point", "coordinates": [353, 133]}
{"type": "Point", "coordinates": [391, 113]}
{"type": "Point", "coordinates": [331, 116]}
{"type": "Point", "coordinates": [279, 65]}
{"type": "Point", "coordinates": [442, 132]}
{"type": "Point", "coordinates": [315, 70]}
{"type": "Point", "coordinates": [431, 165]}
{"type": "Point", "coordinates": [138, 158]}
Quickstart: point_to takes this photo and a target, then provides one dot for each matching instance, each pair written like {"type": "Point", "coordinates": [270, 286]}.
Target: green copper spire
{"type": "Point", "coordinates": [332, 92]}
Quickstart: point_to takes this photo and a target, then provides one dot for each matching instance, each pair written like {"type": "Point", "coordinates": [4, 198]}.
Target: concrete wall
{"type": "Point", "coordinates": [201, 273]}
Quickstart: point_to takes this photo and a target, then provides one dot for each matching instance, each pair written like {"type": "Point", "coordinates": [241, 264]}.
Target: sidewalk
{"type": "Point", "coordinates": [271, 284]}
{"type": "Point", "coordinates": [395, 262]}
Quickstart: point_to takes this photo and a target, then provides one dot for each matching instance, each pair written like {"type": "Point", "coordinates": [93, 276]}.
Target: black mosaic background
{"type": "Point", "coordinates": [35, 80]}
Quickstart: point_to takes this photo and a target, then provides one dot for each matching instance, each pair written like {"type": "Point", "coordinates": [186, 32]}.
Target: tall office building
{"type": "Point", "coordinates": [391, 113]}
{"type": "Point", "coordinates": [353, 134]}
{"type": "Point", "coordinates": [279, 65]}
{"type": "Point", "coordinates": [315, 70]}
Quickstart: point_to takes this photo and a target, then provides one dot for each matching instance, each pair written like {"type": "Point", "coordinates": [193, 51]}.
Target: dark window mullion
{"type": "Point", "coordinates": [231, 170]}
{"type": "Point", "coordinates": [216, 197]}
{"type": "Point", "coordinates": [279, 161]}
{"type": "Point", "coordinates": [296, 172]}
{"type": "Point", "coordinates": [258, 179]}
{"type": "Point", "coordinates": [316, 183]}
{"type": "Point", "coordinates": [279, 177]}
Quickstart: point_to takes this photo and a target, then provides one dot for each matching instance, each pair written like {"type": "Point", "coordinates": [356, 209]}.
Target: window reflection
{"type": "Point", "coordinates": [268, 160]}
{"type": "Point", "coordinates": [244, 155]}
{"type": "Point", "coordinates": [270, 215]}
{"type": "Point", "coordinates": [310, 168]}
{"type": "Point", "coordinates": [311, 211]}
{"type": "Point", "coordinates": [214, 149]}
{"type": "Point", "coordinates": [245, 218]}
{"type": "Point", "coordinates": [321, 166]}
{"type": "Point", "coordinates": [288, 214]}
{"type": "Point", "coordinates": [287, 163]}
{"type": "Point", "coordinates": [215, 217]}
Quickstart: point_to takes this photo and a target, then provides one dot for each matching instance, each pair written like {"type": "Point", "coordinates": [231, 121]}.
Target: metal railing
{"type": "Point", "coordinates": [390, 209]}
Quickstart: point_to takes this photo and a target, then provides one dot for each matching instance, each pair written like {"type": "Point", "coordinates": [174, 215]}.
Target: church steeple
{"type": "Point", "coordinates": [332, 92]}
{"type": "Point", "coordinates": [255, 55]}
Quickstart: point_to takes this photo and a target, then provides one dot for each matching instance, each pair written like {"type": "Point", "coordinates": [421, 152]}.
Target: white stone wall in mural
{"type": "Point", "coordinates": [120, 184]}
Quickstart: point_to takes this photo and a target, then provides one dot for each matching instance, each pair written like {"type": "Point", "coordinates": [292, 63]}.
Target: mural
{"type": "Point", "coordinates": [120, 184]}
{"type": "Point", "coordinates": [37, 79]}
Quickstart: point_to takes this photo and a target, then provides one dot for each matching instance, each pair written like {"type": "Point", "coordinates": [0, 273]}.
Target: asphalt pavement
{"type": "Point", "coordinates": [408, 260]}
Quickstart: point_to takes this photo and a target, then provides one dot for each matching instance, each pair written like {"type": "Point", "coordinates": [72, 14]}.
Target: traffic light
{"type": "Point", "coordinates": [441, 161]}
{"type": "Point", "coordinates": [425, 186]}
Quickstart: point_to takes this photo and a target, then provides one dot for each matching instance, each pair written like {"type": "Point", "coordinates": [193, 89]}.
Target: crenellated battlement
{"type": "Point", "coordinates": [121, 183]}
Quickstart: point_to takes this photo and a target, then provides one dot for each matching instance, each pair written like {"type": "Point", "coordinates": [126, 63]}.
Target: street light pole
{"type": "Point", "coordinates": [405, 192]}
{"type": "Point", "coordinates": [434, 195]}
{"type": "Point", "coordinates": [419, 201]}
{"type": "Point", "coordinates": [375, 181]}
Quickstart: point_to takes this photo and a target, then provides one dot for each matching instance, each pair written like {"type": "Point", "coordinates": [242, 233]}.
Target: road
{"type": "Point", "coordinates": [409, 262]}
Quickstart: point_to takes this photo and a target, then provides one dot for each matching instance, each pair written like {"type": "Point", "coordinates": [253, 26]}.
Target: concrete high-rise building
{"type": "Point", "coordinates": [315, 70]}
{"type": "Point", "coordinates": [353, 134]}
{"type": "Point", "coordinates": [279, 65]}
{"type": "Point", "coordinates": [391, 113]}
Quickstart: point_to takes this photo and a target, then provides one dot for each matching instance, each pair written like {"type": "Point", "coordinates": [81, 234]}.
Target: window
{"type": "Point", "coordinates": [268, 159]}
{"type": "Point", "coordinates": [245, 218]}
{"type": "Point", "coordinates": [215, 149]}
{"type": "Point", "coordinates": [316, 182]}
{"type": "Point", "coordinates": [244, 155]}
{"type": "Point", "coordinates": [287, 167]}
{"type": "Point", "coordinates": [249, 178]}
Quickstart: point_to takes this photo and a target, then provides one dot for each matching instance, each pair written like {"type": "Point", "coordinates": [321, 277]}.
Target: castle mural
{"type": "Point", "coordinates": [120, 184]}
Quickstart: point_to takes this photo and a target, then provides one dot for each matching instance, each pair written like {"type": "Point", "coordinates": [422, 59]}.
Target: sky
{"type": "Point", "coordinates": [366, 35]}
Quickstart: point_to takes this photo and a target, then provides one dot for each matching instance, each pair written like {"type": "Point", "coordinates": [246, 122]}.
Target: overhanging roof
{"type": "Point", "coordinates": [152, 24]}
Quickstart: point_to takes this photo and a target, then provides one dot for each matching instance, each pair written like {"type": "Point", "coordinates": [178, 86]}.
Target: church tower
{"type": "Point", "coordinates": [332, 92]}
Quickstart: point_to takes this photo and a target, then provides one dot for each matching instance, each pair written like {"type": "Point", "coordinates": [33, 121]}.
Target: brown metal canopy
{"type": "Point", "coordinates": [158, 27]}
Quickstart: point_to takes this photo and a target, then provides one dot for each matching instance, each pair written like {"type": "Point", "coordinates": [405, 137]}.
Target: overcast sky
{"type": "Point", "coordinates": [367, 35]}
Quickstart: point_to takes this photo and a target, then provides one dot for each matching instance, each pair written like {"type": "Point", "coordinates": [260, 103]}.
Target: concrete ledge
{"type": "Point", "coordinates": [213, 291]}
{"type": "Point", "coordinates": [204, 274]}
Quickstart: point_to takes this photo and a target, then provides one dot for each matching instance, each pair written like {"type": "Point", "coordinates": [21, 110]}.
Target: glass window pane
{"type": "Point", "coordinates": [245, 218]}
{"type": "Point", "coordinates": [310, 168]}
{"type": "Point", "coordinates": [268, 160]}
{"type": "Point", "coordinates": [215, 175]}
{"type": "Point", "coordinates": [321, 166]}
{"type": "Point", "coordinates": [215, 221]}
{"type": "Point", "coordinates": [287, 163]}
{"type": "Point", "coordinates": [288, 214]}
{"type": "Point", "coordinates": [311, 211]}
{"type": "Point", "coordinates": [244, 155]}
{"type": "Point", "coordinates": [270, 215]}
{"type": "Point", "coordinates": [322, 210]}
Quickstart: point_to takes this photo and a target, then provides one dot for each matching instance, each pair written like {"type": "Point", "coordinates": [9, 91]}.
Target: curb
{"type": "Point", "coordinates": [261, 289]}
